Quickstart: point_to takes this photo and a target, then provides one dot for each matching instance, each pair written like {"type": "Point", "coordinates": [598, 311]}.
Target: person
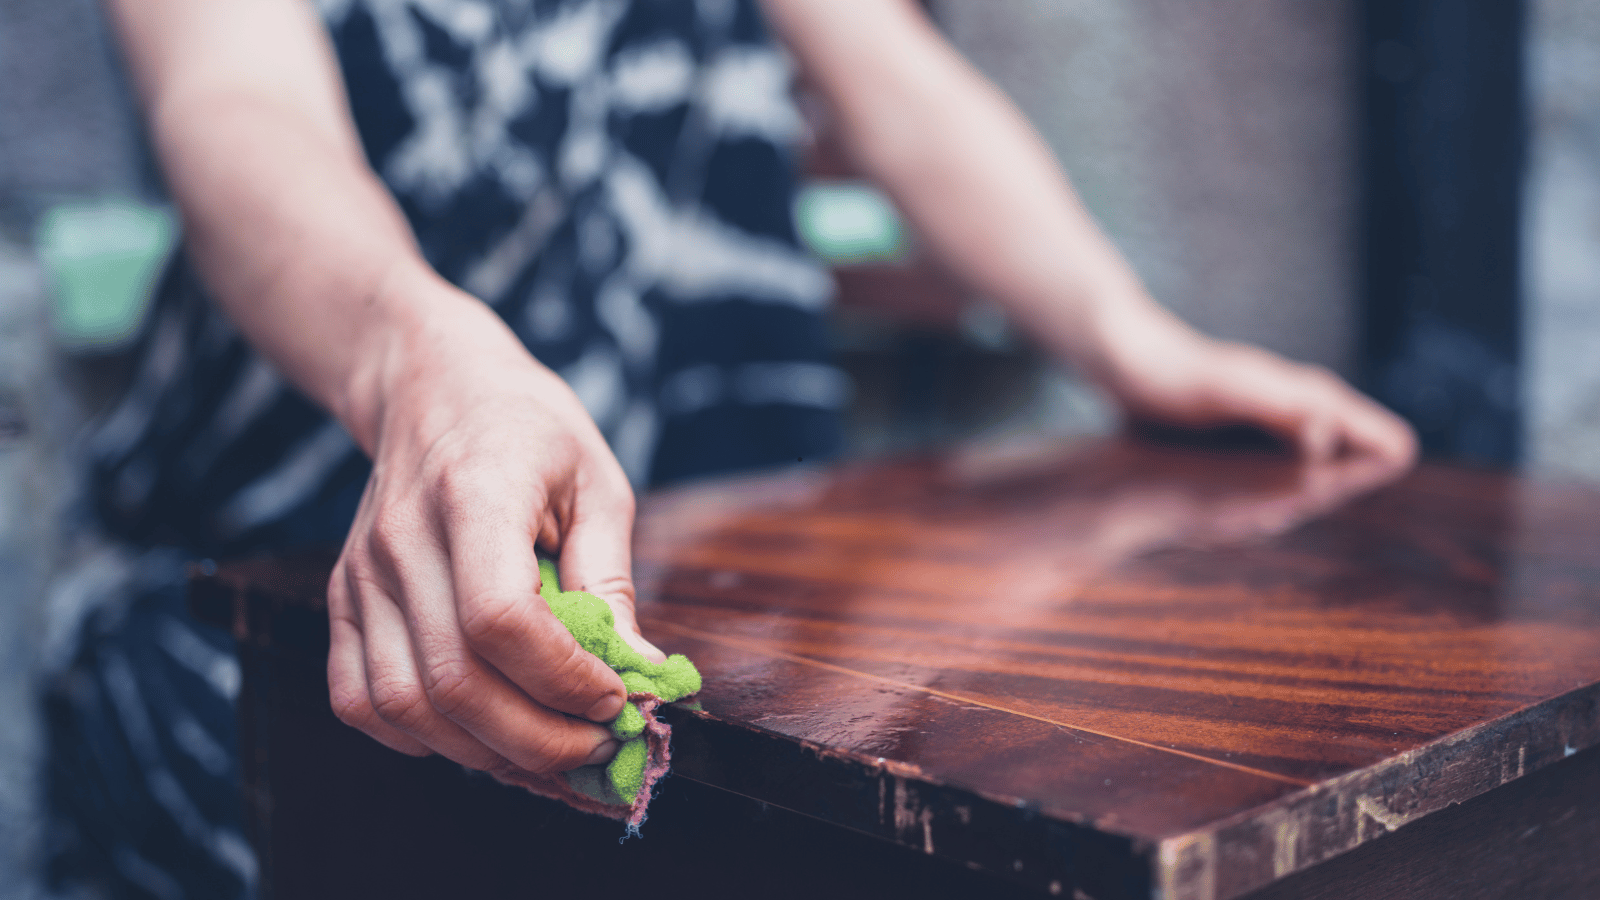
{"type": "Point", "coordinates": [502, 260]}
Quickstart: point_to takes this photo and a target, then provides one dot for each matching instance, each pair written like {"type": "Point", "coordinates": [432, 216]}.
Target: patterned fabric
{"type": "Point", "coordinates": [614, 178]}
{"type": "Point", "coordinates": [143, 776]}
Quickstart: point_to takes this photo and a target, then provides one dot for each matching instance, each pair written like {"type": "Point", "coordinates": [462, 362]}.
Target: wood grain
{"type": "Point", "coordinates": [1108, 668]}
{"type": "Point", "coordinates": [1215, 655]}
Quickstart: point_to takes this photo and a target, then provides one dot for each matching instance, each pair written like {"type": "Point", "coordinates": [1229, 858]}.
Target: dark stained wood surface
{"type": "Point", "coordinates": [1534, 837]}
{"type": "Point", "coordinates": [1109, 668]}
{"type": "Point", "coordinates": [1155, 643]}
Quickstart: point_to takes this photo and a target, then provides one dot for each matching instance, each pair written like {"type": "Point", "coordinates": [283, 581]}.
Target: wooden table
{"type": "Point", "coordinates": [1101, 670]}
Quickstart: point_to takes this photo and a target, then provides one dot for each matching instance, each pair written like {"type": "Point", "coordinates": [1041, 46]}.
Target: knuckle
{"type": "Point", "coordinates": [391, 523]}
{"type": "Point", "coordinates": [351, 705]}
{"type": "Point", "coordinates": [568, 686]}
{"type": "Point", "coordinates": [490, 619]}
{"type": "Point", "coordinates": [505, 770]}
{"type": "Point", "coordinates": [364, 588]}
{"type": "Point", "coordinates": [452, 688]}
{"type": "Point", "coordinates": [462, 485]}
{"type": "Point", "coordinates": [401, 702]}
{"type": "Point", "coordinates": [454, 482]}
{"type": "Point", "coordinates": [445, 453]}
{"type": "Point", "coordinates": [357, 570]}
{"type": "Point", "coordinates": [616, 587]}
{"type": "Point", "coordinates": [545, 753]}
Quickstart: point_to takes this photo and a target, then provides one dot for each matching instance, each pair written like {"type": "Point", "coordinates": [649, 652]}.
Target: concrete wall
{"type": "Point", "coordinates": [1561, 389]}
{"type": "Point", "coordinates": [66, 123]}
{"type": "Point", "coordinates": [1214, 140]}
{"type": "Point", "coordinates": [66, 131]}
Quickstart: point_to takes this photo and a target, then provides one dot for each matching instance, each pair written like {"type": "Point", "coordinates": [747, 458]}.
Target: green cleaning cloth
{"type": "Point", "coordinates": [620, 789]}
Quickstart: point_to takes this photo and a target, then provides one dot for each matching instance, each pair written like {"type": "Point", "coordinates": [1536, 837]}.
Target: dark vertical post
{"type": "Point", "coordinates": [1443, 146]}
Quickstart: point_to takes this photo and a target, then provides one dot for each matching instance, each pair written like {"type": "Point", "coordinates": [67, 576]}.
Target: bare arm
{"type": "Point", "coordinates": [282, 214]}
{"type": "Point", "coordinates": [987, 195]}
{"type": "Point", "coordinates": [439, 639]}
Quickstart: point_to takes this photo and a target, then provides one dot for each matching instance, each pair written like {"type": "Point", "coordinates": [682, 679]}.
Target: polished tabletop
{"type": "Point", "coordinates": [1117, 661]}
{"type": "Point", "coordinates": [1225, 657]}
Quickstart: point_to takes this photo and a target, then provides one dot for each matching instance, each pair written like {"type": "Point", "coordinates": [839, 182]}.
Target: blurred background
{"type": "Point", "coordinates": [1406, 191]}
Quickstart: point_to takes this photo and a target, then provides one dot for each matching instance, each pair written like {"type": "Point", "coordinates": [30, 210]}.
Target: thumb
{"type": "Point", "coordinates": [597, 557]}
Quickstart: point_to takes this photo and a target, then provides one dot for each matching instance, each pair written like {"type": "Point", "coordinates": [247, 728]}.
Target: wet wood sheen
{"type": "Point", "coordinates": [1112, 668]}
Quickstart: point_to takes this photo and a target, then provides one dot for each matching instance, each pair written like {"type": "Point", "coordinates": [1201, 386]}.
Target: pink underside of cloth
{"type": "Point", "coordinates": [657, 736]}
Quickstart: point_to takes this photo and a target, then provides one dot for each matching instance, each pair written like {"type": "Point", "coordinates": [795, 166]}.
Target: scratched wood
{"type": "Point", "coordinates": [1111, 669]}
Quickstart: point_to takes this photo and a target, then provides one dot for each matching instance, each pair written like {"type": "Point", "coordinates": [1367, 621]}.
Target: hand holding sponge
{"type": "Point", "coordinates": [621, 789]}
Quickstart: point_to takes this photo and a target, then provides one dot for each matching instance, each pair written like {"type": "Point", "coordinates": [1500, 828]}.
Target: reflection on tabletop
{"type": "Point", "coordinates": [1018, 526]}
{"type": "Point", "coordinates": [1107, 626]}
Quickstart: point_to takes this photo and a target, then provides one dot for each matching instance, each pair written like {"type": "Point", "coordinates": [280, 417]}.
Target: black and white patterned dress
{"type": "Point", "coordinates": [614, 178]}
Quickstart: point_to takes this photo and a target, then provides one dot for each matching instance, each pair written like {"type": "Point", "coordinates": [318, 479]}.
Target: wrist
{"type": "Point", "coordinates": [1129, 339]}
{"type": "Point", "coordinates": [415, 323]}
{"type": "Point", "coordinates": [1100, 325]}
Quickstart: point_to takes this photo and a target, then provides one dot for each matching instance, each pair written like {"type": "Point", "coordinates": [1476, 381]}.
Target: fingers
{"type": "Point", "coordinates": [409, 681]}
{"type": "Point", "coordinates": [596, 557]}
{"type": "Point", "coordinates": [399, 698]}
{"type": "Point", "coordinates": [1308, 406]}
{"type": "Point", "coordinates": [426, 682]}
{"type": "Point", "coordinates": [1250, 386]}
{"type": "Point", "coordinates": [441, 641]}
{"type": "Point", "coordinates": [347, 680]}
{"type": "Point", "coordinates": [502, 617]}
{"type": "Point", "coordinates": [1374, 429]}
{"type": "Point", "coordinates": [1351, 422]}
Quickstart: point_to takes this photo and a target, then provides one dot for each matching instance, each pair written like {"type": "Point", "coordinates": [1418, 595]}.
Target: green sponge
{"type": "Point", "coordinates": [591, 621]}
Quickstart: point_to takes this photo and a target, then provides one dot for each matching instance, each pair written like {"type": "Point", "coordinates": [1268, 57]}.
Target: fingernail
{"type": "Point", "coordinates": [602, 753]}
{"type": "Point", "coordinates": [646, 649]}
{"type": "Point", "coordinates": [606, 708]}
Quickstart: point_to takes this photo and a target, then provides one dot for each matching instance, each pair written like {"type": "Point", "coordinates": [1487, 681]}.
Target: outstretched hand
{"type": "Point", "coordinates": [440, 640]}
{"type": "Point", "coordinates": [1160, 370]}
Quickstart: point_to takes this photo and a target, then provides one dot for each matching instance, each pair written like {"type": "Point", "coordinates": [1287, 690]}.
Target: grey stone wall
{"type": "Point", "coordinates": [66, 132]}
{"type": "Point", "coordinates": [1214, 140]}
{"type": "Point", "coordinates": [1561, 388]}
{"type": "Point", "coordinates": [66, 123]}
{"type": "Point", "coordinates": [36, 416]}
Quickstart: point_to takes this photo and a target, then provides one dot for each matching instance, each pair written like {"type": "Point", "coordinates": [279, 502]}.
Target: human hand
{"type": "Point", "coordinates": [440, 640]}
{"type": "Point", "coordinates": [990, 201]}
{"type": "Point", "coordinates": [1161, 370]}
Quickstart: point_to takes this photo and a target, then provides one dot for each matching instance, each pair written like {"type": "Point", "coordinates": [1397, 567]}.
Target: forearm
{"type": "Point", "coordinates": [985, 193]}
{"type": "Point", "coordinates": [292, 232]}
{"type": "Point", "coordinates": [296, 243]}
{"type": "Point", "coordinates": [974, 179]}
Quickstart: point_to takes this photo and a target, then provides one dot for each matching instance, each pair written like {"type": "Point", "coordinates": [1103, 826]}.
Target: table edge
{"type": "Point", "coordinates": [1296, 832]}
